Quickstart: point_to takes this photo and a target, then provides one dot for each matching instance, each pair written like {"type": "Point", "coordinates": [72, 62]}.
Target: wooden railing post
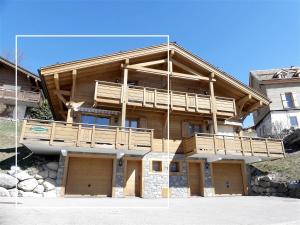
{"type": "Point", "coordinates": [129, 138]}
{"type": "Point", "coordinates": [78, 136]}
{"type": "Point", "coordinates": [196, 103]}
{"type": "Point", "coordinates": [251, 147]}
{"type": "Point", "coordinates": [224, 140]}
{"type": "Point", "coordinates": [93, 136]}
{"type": "Point", "coordinates": [242, 146]}
{"type": "Point", "coordinates": [196, 143]}
{"type": "Point", "coordinates": [283, 151]}
{"type": "Point", "coordinates": [266, 142]}
{"type": "Point", "coordinates": [117, 136]}
{"type": "Point", "coordinates": [52, 135]}
{"type": "Point", "coordinates": [155, 98]}
{"type": "Point", "coordinates": [23, 130]}
{"type": "Point", "coordinates": [171, 100]}
{"type": "Point", "coordinates": [186, 102]}
{"type": "Point", "coordinates": [215, 143]}
{"type": "Point", "coordinates": [151, 140]}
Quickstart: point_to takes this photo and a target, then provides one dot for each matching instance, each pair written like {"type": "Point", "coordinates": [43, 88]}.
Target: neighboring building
{"type": "Point", "coordinates": [282, 86]}
{"type": "Point", "coordinates": [113, 140]}
{"type": "Point", "coordinates": [28, 87]}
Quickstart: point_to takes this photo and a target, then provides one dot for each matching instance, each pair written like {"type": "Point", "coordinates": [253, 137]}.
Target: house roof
{"type": "Point", "coordinates": [21, 69]}
{"type": "Point", "coordinates": [120, 56]}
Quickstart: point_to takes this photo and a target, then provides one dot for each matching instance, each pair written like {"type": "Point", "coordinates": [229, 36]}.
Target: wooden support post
{"type": "Point", "coordinates": [129, 138]}
{"type": "Point", "coordinates": [224, 140]}
{"type": "Point", "coordinates": [52, 135]}
{"type": "Point", "coordinates": [251, 147]}
{"type": "Point", "coordinates": [117, 136]}
{"type": "Point", "coordinates": [124, 99]}
{"type": "Point", "coordinates": [213, 99]}
{"type": "Point", "coordinates": [215, 144]}
{"type": "Point", "coordinates": [69, 116]}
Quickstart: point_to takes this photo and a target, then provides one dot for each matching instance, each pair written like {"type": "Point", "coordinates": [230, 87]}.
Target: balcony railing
{"type": "Point", "coordinates": [233, 145]}
{"type": "Point", "coordinates": [86, 135]}
{"type": "Point", "coordinates": [112, 93]}
{"type": "Point", "coordinates": [26, 96]}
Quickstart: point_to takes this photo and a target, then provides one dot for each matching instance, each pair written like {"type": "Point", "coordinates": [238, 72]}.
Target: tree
{"type": "Point", "coordinates": [41, 112]}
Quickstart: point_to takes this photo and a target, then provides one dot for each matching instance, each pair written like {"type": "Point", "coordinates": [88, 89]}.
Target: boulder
{"type": "Point", "coordinates": [40, 181]}
{"type": "Point", "coordinates": [39, 189]}
{"type": "Point", "coordinates": [52, 174]}
{"type": "Point", "coordinates": [50, 194]}
{"type": "Point", "coordinates": [23, 176]}
{"type": "Point", "coordinates": [13, 192]}
{"type": "Point", "coordinates": [7, 181]}
{"type": "Point", "coordinates": [49, 184]}
{"type": "Point", "coordinates": [4, 192]}
{"type": "Point", "coordinates": [42, 174]}
{"type": "Point", "coordinates": [264, 183]}
{"type": "Point", "coordinates": [28, 185]}
{"type": "Point", "coordinates": [282, 187]}
{"type": "Point", "coordinates": [29, 194]}
{"type": "Point", "coordinates": [13, 170]}
{"type": "Point", "coordinates": [52, 165]}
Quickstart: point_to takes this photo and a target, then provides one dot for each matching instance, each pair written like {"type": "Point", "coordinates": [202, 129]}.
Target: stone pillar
{"type": "Point", "coordinates": [60, 174]}
{"type": "Point", "coordinates": [209, 190]}
{"type": "Point", "coordinates": [119, 184]}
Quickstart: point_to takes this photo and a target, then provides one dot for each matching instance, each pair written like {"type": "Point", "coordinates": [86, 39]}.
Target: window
{"type": "Point", "coordinates": [157, 166]}
{"type": "Point", "coordinates": [289, 100]}
{"type": "Point", "coordinates": [175, 167]}
{"type": "Point", "coordinates": [293, 121]}
{"type": "Point", "coordinates": [132, 123]}
{"type": "Point", "coordinates": [195, 128]}
{"type": "Point", "coordinates": [90, 119]}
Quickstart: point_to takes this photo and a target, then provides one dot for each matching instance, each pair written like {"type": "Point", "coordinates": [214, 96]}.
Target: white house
{"type": "Point", "coordinates": [282, 87]}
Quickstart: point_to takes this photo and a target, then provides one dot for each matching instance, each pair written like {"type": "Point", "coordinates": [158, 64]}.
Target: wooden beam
{"type": "Point", "coordinates": [151, 63]}
{"type": "Point", "coordinates": [57, 89]}
{"type": "Point", "coordinates": [213, 104]}
{"type": "Point", "coordinates": [186, 68]}
{"type": "Point", "coordinates": [254, 107]}
{"type": "Point", "coordinates": [65, 92]}
{"type": "Point", "coordinates": [124, 93]}
{"type": "Point", "coordinates": [74, 75]}
{"type": "Point", "coordinates": [59, 95]}
{"type": "Point", "coordinates": [241, 102]}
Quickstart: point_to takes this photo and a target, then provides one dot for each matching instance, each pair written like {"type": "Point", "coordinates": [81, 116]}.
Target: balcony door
{"type": "Point", "coordinates": [98, 120]}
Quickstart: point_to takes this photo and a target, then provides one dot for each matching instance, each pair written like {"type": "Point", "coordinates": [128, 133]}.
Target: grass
{"type": "Point", "coordinates": [7, 133]}
{"type": "Point", "coordinates": [288, 168]}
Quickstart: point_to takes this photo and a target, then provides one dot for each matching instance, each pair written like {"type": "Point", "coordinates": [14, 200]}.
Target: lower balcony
{"type": "Point", "coordinates": [201, 143]}
{"type": "Point", "coordinates": [46, 136]}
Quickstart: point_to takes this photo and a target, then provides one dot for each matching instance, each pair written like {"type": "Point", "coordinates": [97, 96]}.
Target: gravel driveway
{"type": "Point", "coordinates": [214, 210]}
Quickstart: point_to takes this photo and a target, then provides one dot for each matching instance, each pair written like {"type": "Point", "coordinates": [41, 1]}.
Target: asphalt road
{"type": "Point", "coordinates": [88, 211]}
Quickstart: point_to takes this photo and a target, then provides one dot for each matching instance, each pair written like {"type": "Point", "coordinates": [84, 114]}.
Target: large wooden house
{"type": "Point", "coordinates": [28, 90]}
{"type": "Point", "coordinates": [111, 126]}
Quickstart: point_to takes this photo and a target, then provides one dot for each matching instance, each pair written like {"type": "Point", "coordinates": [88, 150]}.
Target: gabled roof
{"type": "Point", "coordinates": [140, 52]}
{"type": "Point", "coordinates": [21, 69]}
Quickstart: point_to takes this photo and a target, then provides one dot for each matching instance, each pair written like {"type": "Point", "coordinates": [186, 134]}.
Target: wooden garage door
{"type": "Point", "coordinates": [195, 179]}
{"type": "Point", "coordinates": [89, 176]}
{"type": "Point", "coordinates": [228, 178]}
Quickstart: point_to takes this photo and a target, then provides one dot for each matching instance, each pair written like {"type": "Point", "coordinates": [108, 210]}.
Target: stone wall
{"type": "Point", "coordinates": [270, 185]}
{"type": "Point", "coordinates": [39, 181]}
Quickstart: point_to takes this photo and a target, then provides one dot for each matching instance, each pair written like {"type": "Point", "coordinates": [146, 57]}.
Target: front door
{"type": "Point", "coordinates": [133, 178]}
{"type": "Point", "coordinates": [195, 178]}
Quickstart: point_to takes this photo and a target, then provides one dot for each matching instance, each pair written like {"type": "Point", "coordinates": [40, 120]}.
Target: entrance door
{"type": "Point", "coordinates": [133, 178]}
{"type": "Point", "coordinates": [228, 179]}
{"type": "Point", "coordinates": [89, 176]}
{"type": "Point", "coordinates": [195, 178]}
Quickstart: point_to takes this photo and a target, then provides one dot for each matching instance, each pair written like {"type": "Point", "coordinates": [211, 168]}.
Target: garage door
{"type": "Point", "coordinates": [228, 179]}
{"type": "Point", "coordinates": [89, 176]}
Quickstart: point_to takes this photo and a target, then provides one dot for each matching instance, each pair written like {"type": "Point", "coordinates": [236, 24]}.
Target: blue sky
{"type": "Point", "coordinates": [237, 36]}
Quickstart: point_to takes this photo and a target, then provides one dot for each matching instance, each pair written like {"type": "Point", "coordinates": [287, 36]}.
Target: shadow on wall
{"type": "Point", "coordinates": [26, 158]}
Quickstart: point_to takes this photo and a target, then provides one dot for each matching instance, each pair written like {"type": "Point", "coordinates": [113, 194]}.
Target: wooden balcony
{"type": "Point", "coordinates": [233, 145]}
{"type": "Point", "coordinates": [25, 96]}
{"type": "Point", "coordinates": [85, 135]}
{"type": "Point", "coordinates": [112, 93]}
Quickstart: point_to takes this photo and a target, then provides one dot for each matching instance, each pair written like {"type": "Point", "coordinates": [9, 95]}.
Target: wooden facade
{"type": "Point", "coordinates": [135, 93]}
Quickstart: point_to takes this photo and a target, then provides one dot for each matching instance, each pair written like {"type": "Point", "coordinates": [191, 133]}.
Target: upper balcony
{"type": "Point", "coordinates": [201, 143]}
{"type": "Point", "coordinates": [51, 136]}
{"type": "Point", "coordinates": [112, 93]}
{"type": "Point", "coordinates": [24, 96]}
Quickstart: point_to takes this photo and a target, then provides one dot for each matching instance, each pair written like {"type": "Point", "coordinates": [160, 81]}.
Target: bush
{"type": "Point", "coordinates": [42, 112]}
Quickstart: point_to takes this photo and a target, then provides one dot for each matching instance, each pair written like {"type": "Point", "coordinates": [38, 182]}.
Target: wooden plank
{"type": "Point", "coordinates": [52, 134]}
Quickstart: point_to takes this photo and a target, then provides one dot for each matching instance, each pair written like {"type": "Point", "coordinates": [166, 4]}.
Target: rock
{"type": "Point", "coordinates": [274, 184]}
{"type": "Point", "coordinates": [13, 192]}
{"type": "Point", "coordinates": [39, 189]}
{"type": "Point", "coordinates": [264, 183]}
{"type": "Point", "coordinates": [52, 174]}
{"type": "Point", "coordinates": [40, 181]}
{"type": "Point", "coordinates": [50, 194]}
{"type": "Point", "coordinates": [4, 192]}
{"type": "Point", "coordinates": [42, 174]}
{"type": "Point", "coordinates": [270, 190]}
{"type": "Point", "coordinates": [29, 194]}
{"type": "Point", "coordinates": [52, 165]}
{"type": "Point", "coordinates": [23, 176]}
{"type": "Point", "coordinates": [13, 170]}
{"type": "Point", "coordinates": [49, 184]}
{"type": "Point", "coordinates": [28, 185]}
{"type": "Point", "coordinates": [265, 178]}
{"type": "Point", "coordinates": [7, 181]}
{"type": "Point", "coordinates": [282, 187]}
{"type": "Point", "coordinates": [256, 181]}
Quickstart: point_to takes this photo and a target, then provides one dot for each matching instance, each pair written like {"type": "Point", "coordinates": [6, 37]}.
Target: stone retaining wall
{"type": "Point", "coordinates": [39, 181]}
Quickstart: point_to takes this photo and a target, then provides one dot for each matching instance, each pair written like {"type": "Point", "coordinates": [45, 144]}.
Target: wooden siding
{"type": "Point", "coordinates": [109, 92]}
{"type": "Point", "coordinates": [233, 145]}
{"type": "Point", "coordinates": [86, 135]}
